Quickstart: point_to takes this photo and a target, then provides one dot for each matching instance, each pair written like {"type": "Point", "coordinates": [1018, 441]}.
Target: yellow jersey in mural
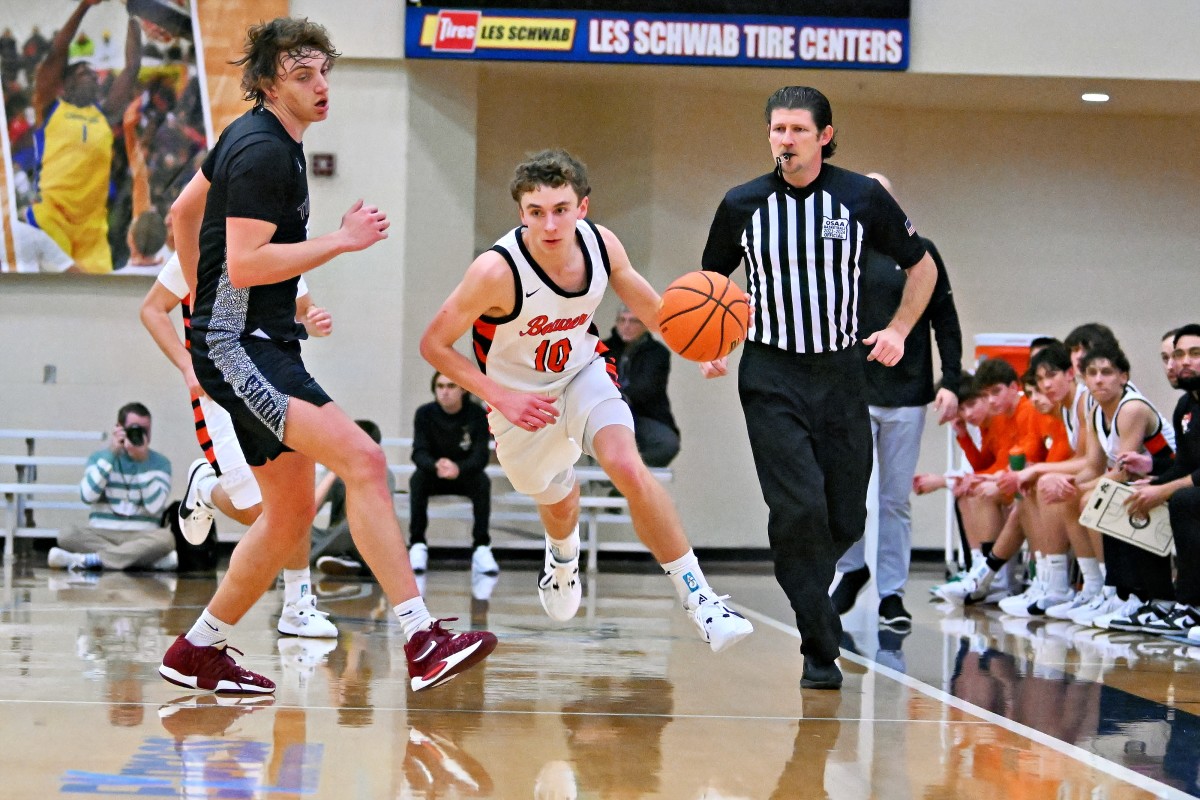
{"type": "Point", "coordinates": [74, 152]}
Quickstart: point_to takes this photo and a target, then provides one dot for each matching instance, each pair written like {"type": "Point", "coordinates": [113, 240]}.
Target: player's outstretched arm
{"type": "Point", "coordinates": [635, 291]}
{"type": "Point", "coordinates": [486, 290]}
{"type": "Point", "coordinates": [48, 80]}
{"type": "Point", "coordinates": [125, 86]}
{"type": "Point", "coordinates": [255, 261]}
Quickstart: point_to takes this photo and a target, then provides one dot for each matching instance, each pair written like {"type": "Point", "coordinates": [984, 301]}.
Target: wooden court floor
{"type": "Point", "coordinates": [624, 702]}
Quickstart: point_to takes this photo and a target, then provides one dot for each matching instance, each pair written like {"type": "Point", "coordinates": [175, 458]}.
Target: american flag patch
{"type": "Point", "coordinates": [908, 226]}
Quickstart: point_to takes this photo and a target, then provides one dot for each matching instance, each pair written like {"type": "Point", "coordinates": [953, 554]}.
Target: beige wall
{"type": "Point", "coordinates": [1046, 219]}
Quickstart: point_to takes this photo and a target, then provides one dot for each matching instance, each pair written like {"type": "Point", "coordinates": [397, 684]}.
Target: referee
{"type": "Point", "coordinates": [801, 231]}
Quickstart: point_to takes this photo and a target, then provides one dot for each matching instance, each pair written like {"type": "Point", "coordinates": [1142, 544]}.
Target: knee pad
{"type": "Point", "coordinates": [560, 486]}
{"type": "Point", "coordinates": [612, 411]}
{"type": "Point", "coordinates": [239, 483]}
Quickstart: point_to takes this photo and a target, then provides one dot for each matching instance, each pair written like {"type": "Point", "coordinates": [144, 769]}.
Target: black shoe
{"type": "Point", "coordinates": [892, 640]}
{"type": "Point", "coordinates": [848, 589]}
{"type": "Point", "coordinates": [893, 614]}
{"type": "Point", "coordinates": [820, 676]}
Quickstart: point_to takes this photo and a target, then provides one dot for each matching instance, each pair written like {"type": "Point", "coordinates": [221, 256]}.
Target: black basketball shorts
{"type": "Point", "coordinates": [253, 379]}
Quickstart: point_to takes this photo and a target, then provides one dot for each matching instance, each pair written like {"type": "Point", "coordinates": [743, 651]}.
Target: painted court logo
{"type": "Point", "coordinates": [455, 32]}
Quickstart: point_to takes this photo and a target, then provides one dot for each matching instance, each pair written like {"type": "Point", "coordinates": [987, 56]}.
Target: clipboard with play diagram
{"type": "Point", "coordinates": [1106, 512]}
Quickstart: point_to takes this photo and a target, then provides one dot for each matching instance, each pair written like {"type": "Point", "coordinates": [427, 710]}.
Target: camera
{"type": "Point", "coordinates": [136, 435]}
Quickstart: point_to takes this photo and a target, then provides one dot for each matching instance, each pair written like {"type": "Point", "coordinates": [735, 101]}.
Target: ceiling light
{"type": "Point", "coordinates": [1094, 97]}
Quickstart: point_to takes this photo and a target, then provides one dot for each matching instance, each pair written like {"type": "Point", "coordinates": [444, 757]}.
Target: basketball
{"type": "Point", "coordinates": [703, 316]}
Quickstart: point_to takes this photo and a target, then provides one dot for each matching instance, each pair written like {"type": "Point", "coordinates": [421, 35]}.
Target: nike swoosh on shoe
{"type": "Point", "coordinates": [444, 670]}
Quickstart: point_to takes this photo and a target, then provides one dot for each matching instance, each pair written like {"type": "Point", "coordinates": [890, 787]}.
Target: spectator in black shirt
{"type": "Point", "coordinates": [643, 366]}
{"type": "Point", "coordinates": [450, 449]}
{"type": "Point", "coordinates": [897, 397]}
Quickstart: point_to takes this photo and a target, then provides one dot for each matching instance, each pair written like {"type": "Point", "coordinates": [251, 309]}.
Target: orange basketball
{"type": "Point", "coordinates": [703, 316]}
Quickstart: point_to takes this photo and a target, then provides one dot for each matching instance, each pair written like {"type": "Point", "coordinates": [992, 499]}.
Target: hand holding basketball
{"type": "Point", "coordinates": [703, 316]}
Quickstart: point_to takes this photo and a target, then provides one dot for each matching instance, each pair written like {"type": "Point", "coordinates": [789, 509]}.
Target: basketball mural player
{"type": "Point", "coordinates": [75, 124]}
{"type": "Point", "coordinates": [241, 232]}
{"type": "Point", "coordinates": [530, 302]}
{"type": "Point", "coordinates": [801, 230]}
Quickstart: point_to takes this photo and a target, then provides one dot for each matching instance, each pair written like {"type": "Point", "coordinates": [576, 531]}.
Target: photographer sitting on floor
{"type": "Point", "coordinates": [128, 486]}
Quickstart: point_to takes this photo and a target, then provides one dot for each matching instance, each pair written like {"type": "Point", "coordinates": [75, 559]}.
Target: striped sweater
{"type": "Point", "coordinates": [126, 495]}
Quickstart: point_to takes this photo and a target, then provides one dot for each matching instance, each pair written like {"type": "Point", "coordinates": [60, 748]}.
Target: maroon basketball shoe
{"type": "Point", "coordinates": [185, 664]}
{"type": "Point", "coordinates": [435, 655]}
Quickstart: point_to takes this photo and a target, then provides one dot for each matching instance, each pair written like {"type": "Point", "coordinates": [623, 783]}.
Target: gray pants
{"type": "Point", "coordinates": [119, 549]}
{"type": "Point", "coordinates": [897, 433]}
{"type": "Point", "coordinates": [333, 541]}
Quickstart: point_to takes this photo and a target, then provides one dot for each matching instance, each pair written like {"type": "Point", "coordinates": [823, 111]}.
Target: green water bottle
{"type": "Point", "coordinates": [1016, 462]}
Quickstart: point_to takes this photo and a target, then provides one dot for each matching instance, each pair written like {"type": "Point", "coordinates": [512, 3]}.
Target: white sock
{"type": "Point", "coordinates": [564, 550]}
{"type": "Point", "coordinates": [205, 489]}
{"type": "Point", "coordinates": [686, 574]}
{"type": "Point", "coordinates": [1093, 577]}
{"type": "Point", "coordinates": [208, 631]}
{"type": "Point", "coordinates": [1103, 570]}
{"type": "Point", "coordinates": [295, 584]}
{"type": "Point", "coordinates": [976, 557]}
{"type": "Point", "coordinates": [1058, 577]}
{"type": "Point", "coordinates": [413, 616]}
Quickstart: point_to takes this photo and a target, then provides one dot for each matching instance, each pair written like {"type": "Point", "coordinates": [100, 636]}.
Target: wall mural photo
{"type": "Point", "coordinates": [104, 124]}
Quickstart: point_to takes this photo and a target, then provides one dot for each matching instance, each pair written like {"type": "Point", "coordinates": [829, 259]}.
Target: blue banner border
{"type": "Point", "coordinates": [580, 52]}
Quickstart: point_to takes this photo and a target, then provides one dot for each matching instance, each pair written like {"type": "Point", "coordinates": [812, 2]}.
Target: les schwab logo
{"type": "Point", "coordinates": [467, 31]}
{"type": "Point", "coordinates": [455, 32]}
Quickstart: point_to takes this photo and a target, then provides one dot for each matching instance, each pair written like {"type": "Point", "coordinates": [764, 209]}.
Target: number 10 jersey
{"type": "Point", "coordinates": [551, 334]}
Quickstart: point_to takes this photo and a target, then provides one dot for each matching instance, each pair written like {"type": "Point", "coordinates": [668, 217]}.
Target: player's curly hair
{"type": "Point", "coordinates": [268, 43]}
{"type": "Point", "coordinates": [553, 168]}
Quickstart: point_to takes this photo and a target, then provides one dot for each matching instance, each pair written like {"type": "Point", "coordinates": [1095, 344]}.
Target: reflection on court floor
{"type": "Point", "coordinates": [623, 702]}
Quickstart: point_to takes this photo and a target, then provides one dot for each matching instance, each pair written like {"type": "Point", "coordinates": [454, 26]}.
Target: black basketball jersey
{"type": "Point", "coordinates": [257, 172]}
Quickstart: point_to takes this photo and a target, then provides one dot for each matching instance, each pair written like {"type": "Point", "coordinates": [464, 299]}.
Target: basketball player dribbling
{"type": "Point", "coordinates": [530, 302]}
{"type": "Point", "coordinates": [241, 231]}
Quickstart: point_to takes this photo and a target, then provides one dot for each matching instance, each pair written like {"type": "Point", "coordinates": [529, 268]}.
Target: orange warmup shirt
{"type": "Point", "coordinates": [1023, 429]}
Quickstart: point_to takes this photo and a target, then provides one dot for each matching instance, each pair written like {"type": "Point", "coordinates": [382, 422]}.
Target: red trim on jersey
{"type": "Point", "coordinates": [482, 336]}
{"type": "Point", "coordinates": [610, 363]}
{"type": "Point", "coordinates": [1157, 443]}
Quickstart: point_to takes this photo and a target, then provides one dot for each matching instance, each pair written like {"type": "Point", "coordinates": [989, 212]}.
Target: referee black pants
{"type": "Point", "coordinates": [810, 433]}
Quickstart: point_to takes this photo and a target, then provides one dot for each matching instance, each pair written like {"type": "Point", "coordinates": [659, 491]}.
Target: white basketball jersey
{"type": "Point", "coordinates": [550, 334]}
{"type": "Point", "coordinates": [1110, 437]}
{"type": "Point", "coordinates": [1069, 418]}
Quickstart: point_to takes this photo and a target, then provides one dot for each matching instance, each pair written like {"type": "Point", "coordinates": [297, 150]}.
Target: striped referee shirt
{"type": "Point", "coordinates": [802, 248]}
